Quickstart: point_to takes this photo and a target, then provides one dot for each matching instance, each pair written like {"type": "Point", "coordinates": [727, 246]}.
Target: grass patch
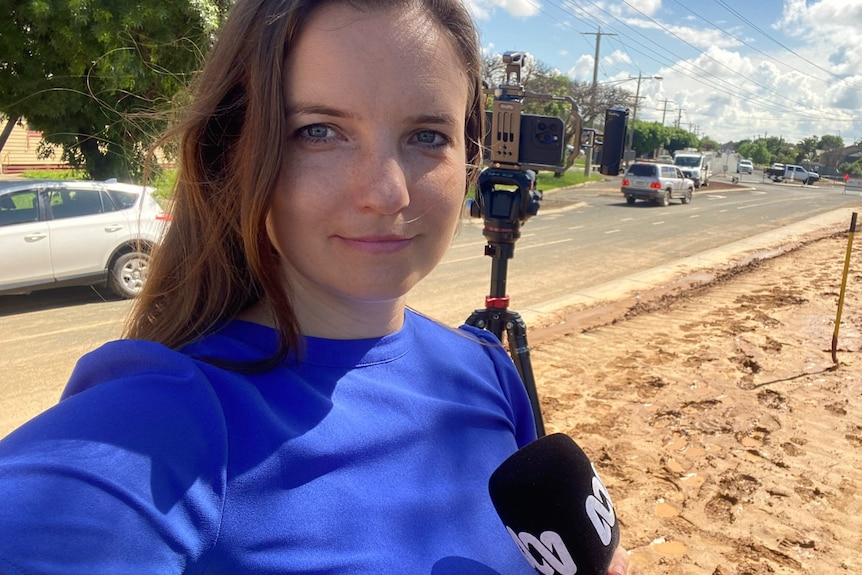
{"type": "Point", "coordinates": [164, 185]}
{"type": "Point", "coordinates": [55, 174]}
{"type": "Point", "coordinates": [546, 180]}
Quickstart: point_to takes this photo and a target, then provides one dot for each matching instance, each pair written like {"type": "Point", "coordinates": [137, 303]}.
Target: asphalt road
{"type": "Point", "coordinates": [584, 245]}
{"type": "Point", "coordinates": [588, 237]}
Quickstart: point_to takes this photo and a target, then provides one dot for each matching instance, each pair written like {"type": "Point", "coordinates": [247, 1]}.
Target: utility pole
{"type": "Point", "coordinates": [664, 112]}
{"type": "Point", "coordinates": [679, 119]}
{"type": "Point", "coordinates": [635, 110]}
{"type": "Point", "coordinates": [588, 161]}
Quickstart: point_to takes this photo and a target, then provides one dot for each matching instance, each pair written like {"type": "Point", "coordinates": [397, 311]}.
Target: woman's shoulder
{"type": "Point", "coordinates": [423, 324]}
{"type": "Point", "coordinates": [466, 343]}
{"type": "Point", "coordinates": [128, 359]}
{"type": "Point", "coordinates": [141, 361]}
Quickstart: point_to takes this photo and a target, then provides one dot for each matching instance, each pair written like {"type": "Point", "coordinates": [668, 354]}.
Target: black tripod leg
{"type": "Point", "coordinates": [516, 330]}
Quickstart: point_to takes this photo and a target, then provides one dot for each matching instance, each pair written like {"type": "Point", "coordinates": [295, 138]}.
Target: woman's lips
{"type": "Point", "coordinates": [377, 244]}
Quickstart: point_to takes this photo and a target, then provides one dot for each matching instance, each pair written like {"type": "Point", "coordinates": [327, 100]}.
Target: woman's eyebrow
{"type": "Point", "coordinates": [442, 119]}
{"type": "Point", "coordinates": [322, 110]}
{"type": "Point", "coordinates": [318, 109]}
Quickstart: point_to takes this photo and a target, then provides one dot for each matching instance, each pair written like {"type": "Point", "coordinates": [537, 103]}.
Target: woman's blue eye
{"type": "Point", "coordinates": [431, 138]}
{"type": "Point", "coordinates": [316, 131]}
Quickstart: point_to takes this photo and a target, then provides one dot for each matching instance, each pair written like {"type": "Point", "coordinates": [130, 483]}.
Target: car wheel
{"type": "Point", "coordinates": [665, 199]}
{"type": "Point", "coordinates": [630, 200]}
{"type": "Point", "coordinates": [128, 274]}
{"type": "Point", "coordinates": [686, 198]}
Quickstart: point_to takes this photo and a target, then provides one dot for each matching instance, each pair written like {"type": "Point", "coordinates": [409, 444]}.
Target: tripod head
{"type": "Point", "coordinates": [504, 210]}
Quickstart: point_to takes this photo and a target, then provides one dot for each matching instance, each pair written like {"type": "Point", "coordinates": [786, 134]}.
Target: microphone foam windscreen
{"type": "Point", "coordinates": [556, 508]}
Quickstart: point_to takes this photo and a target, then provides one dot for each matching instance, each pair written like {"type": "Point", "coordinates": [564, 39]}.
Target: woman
{"type": "Point", "coordinates": [275, 408]}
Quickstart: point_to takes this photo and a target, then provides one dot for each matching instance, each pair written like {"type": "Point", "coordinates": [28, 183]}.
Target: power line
{"type": "Point", "coordinates": [782, 45]}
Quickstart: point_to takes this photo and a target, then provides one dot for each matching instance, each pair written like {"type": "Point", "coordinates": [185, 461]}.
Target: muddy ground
{"type": "Point", "coordinates": [729, 439]}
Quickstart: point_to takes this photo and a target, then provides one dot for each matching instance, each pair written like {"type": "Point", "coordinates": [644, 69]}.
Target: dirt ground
{"type": "Point", "coordinates": [729, 440]}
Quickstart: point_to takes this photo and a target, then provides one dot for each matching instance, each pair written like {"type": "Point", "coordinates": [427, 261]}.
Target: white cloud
{"type": "Point", "coordinates": [831, 32]}
{"type": "Point", "coordinates": [647, 7]}
{"type": "Point", "coordinates": [731, 96]}
{"type": "Point", "coordinates": [696, 37]}
{"type": "Point", "coordinates": [616, 57]}
{"type": "Point", "coordinates": [582, 71]}
{"type": "Point", "coordinates": [482, 9]}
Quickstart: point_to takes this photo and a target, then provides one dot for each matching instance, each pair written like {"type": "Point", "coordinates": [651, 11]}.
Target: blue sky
{"type": "Point", "coordinates": [730, 69]}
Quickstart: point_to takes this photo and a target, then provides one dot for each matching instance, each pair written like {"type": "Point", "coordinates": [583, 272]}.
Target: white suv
{"type": "Point", "coordinates": [64, 233]}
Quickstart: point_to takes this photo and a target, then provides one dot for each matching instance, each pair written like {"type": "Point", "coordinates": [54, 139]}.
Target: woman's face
{"type": "Point", "coordinates": [374, 171]}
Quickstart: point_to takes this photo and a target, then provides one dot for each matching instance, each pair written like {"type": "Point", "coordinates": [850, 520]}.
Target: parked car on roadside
{"type": "Point", "coordinates": [744, 167]}
{"type": "Point", "coordinates": [658, 183]}
{"type": "Point", "coordinates": [56, 233]}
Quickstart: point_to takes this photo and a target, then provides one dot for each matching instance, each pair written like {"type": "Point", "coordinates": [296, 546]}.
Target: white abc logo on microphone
{"type": "Point", "coordinates": [554, 557]}
{"type": "Point", "coordinates": [600, 510]}
{"type": "Point", "coordinates": [548, 554]}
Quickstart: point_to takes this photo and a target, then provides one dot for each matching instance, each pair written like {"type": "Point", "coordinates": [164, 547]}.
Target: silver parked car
{"type": "Point", "coordinates": [658, 183]}
{"type": "Point", "coordinates": [64, 233]}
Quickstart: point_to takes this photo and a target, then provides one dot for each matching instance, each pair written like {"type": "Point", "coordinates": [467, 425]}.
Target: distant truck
{"type": "Point", "coordinates": [695, 166]}
{"type": "Point", "coordinates": [791, 173]}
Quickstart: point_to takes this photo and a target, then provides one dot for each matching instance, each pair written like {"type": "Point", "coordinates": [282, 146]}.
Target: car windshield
{"type": "Point", "coordinates": [688, 161]}
{"type": "Point", "coordinates": [642, 170]}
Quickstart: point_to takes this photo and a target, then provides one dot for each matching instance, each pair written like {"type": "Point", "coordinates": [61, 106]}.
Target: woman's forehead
{"type": "Point", "coordinates": [356, 52]}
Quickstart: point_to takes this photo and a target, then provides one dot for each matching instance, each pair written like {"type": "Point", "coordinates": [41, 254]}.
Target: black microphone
{"type": "Point", "coordinates": [556, 508]}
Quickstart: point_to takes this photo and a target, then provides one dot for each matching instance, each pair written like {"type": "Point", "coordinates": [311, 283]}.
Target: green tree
{"type": "Point", "coordinates": [779, 149]}
{"type": "Point", "coordinates": [760, 153]}
{"type": "Point", "coordinates": [93, 75]}
{"type": "Point", "coordinates": [708, 144]}
{"type": "Point", "coordinates": [830, 142]}
{"type": "Point", "coordinates": [648, 137]}
{"type": "Point", "coordinates": [680, 139]}
{"type": "Point", "coordinates": [756, 151]}
{"type": "Point", "coordinates": [854, 169]}
{"type": "Point", "coordinates": [806, 149]}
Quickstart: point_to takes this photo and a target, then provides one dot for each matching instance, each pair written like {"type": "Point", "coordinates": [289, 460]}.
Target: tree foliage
{"type": "Point", "coordinates": [830, 142]}
{"type": "Point", "coordinates": [649, 136]}
{"type": "Point", "coordinates": [94, 75]}
{"type": "Point", "coordinates": [773, 149]}
{"type": "Point", "coordinates": [756, 151]}
{"type": "Point", "coordinates": [854, 169]}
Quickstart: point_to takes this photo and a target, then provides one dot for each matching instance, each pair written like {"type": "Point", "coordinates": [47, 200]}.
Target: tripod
{"type": "Point", "coordinates": [503, 212]}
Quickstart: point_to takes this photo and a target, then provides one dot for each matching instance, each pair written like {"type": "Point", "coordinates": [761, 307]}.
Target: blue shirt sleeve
{"type": "Point", "coordinates": [118, 477]}
{"type": "Point", "coordinates": [511, 385]}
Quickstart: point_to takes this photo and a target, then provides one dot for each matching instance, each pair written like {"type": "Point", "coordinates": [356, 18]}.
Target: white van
{"type": "Point", "coordinates": [695, 166]}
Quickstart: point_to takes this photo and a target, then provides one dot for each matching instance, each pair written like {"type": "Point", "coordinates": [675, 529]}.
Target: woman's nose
{"type": "Point", "coordinates": [381, 180]}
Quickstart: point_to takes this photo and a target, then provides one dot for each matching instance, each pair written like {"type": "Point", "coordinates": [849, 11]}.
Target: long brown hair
{"type": "Point", "coordinates": [216, 259]}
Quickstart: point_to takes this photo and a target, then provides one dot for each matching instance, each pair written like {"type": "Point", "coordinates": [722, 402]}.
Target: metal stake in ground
{"type": "Point", "coordinates": [843, 286]}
